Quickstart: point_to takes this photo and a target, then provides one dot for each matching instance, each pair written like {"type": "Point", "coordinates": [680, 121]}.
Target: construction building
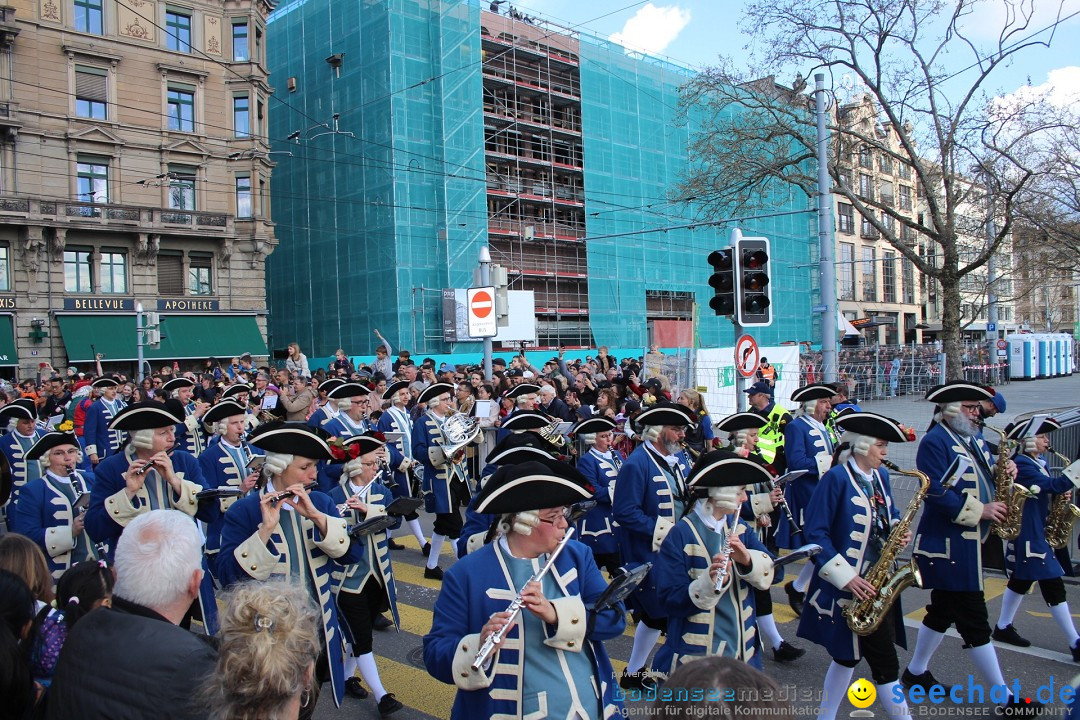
{"type": "Point", "coordinates": [414, 133]}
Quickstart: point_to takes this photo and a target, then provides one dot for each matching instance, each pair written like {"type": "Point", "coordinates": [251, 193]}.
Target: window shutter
{"type": "Point", "coordinates": [170, 274]}
{"type": "Point", "coordinates": [91, 86]}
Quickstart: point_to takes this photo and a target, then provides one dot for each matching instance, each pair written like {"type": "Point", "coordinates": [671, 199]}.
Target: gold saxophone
{"type": "Point", "coordinates": [865, 616]}
{"type": "Point", "coordinates": [1063, 513]}
{"type": "Point", "coordinates": [1006, 491]}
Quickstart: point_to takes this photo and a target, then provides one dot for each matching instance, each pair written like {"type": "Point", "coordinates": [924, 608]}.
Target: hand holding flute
{"type": "Point", "coordinates": [296, 496]}
{"type": "Point", "coordinates": [135, 476]}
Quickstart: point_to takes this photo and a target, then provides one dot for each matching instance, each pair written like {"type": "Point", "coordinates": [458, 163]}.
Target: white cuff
{"type": "Point", "coordinates": [1073, 473]}
{"type": "Point", "coordinates": [91, 450]}
{"type": "Point", "coordinates": [660, 530]}
{"type": "Point", "coordinates": [255, 558]}
{"type": "Point", "coordinates": [464, 676]}
{"type": "Point", "coordinates": [436, 456]}
{"type": "Point", "coordinates": [336, 541]}
{"type": "Point", "coordinates": [569, 624]}
{"type": "Point", "coordinates": [187, 502]}
{"type": "Point", "coordinates": [474, 542]}
{"type": "Point", "coordinates": [120, 509]}
{"type": "Point", "coordinates": [971, 513]}
{"type": "Point", "coordinates": [824, 463]}
{"type": "Point", "coordinates": [838, 572]}
{"type": "Point", "coordinates": [374, 511]}
{"type": "Point", "coordinates": [761, 570]}
{"type": "Point", "coordinates": [59, 540]}
{"type": "Point", "coordinates": [703, 591]}
{"type": "Point", "coordinates": [760, 504]}
{"type": "Point", "coordinates": [404, 466]}
{"type": "Point", "coordinates": [191, 423]}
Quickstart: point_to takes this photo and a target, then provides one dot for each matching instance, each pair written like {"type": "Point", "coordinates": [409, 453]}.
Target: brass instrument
{"type": "Point", "coordinates": [1006, 491]}
{"type": "Point", "coordinates": [495, 638]}
{"type": "Point", "coordinates": [865, 616]}
{"type": "Point", "coordinates": [690, 452]}
{"type": "Point", "coordinates": [459, 430]}
{"type": "Point", "coordinates": [550, 433]}
{"type": "Point", "coordinates": [1063, 513]}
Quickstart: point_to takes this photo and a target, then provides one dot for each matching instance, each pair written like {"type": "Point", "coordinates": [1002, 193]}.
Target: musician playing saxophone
{"type": "Point", "coordinates": [551, 661]}
{"type": "Point", "coordinates": [1030, 558]}
{"type": "Point", "coordinates": [708, 565]}
{"type": "Point", "coordinates": [851, 515]}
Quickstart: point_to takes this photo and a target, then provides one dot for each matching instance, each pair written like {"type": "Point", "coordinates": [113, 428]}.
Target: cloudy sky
{"type": "Point", "coordinates": [696, 32]}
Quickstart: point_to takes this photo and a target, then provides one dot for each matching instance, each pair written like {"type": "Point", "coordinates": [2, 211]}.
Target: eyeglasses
{"type": "Point", "coordinates": [971, 407]}
{"type": "Point", "coordinates": [564, 515]}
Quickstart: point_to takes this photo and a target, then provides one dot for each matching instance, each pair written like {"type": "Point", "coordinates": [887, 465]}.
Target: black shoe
{"type": "Point", "coordinates": [795, 598]}
{"type": "Point", "coordinates": [1075, 649]}
{"type": "Point", "coordinates": [394, 545]}
{"type": "Point", "coordinates": [640, 680]}
{"type": "Point", "coordinates": [1009, 635]}
{"type": "Point", "coordinates": [355, 689]}
{"type": "Point", "coordinates": [923, 680]}
{"type": "Point", "coordinates": [389, 704]}
{"type": "Point", "coordinates": [434, 573]}
{"type": "Point", "coordinates": [381, 622]}
{"type": "Point", "coordinates": [787, 652]}
{"type": "Point", "coordinates": [426, 550]}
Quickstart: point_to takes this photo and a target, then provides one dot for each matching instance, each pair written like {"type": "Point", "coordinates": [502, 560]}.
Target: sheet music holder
{"type": "Point", "coordinates": [622, 584]}
{"type": "Point", "coordinates": [403, 506]}
{"type": "Point", "coordinates": [789, 476]}
{"type": "Point", "coordinates": [806, 551]}
{"type": "Point", "coordinates": [218, 493]}
{"type": "Point", "coordinates": [372, 526]}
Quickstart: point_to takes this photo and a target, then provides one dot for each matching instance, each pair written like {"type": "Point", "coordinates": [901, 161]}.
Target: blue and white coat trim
{"type": "Point", "coordinates": [807, 446]}
{"type": "Point", "coordinates": [223, 466]}
{"type": "Point", "coordinates": [15, 446]}
{"type": "Point", "coordinates": [99, 439]}
{"type": "Point", "coordinates": [427, 443]}
{"type": "Point", "coordinates": [1030, 557]}
{"type": "Point", "coordinates": [596, 529]}
{"type": "Point", "coordinates": [45, 515]}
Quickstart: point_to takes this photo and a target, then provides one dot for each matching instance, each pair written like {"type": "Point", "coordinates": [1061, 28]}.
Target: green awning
{"type": "Point", "coordinates": [183, 337]}
{"type": "Point", "coordinates": [9, 356]}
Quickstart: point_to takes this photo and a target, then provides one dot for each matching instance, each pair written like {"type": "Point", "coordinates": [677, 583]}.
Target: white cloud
{"type": "Point", "coordinates": [1061, 89]}
{"type": "Point", "coordinates": [652, 28]}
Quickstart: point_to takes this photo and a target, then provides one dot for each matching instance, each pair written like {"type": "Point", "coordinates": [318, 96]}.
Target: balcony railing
{"type": "Point", "coordinates": [108, 214]}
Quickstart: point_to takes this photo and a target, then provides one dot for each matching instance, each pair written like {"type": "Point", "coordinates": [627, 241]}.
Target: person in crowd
{"type": "Point", "coordinates": [133, 659]}
{"type": "Point", "coordinates": [16, 617]}
{"type": "Point", "coordinates": [291, 530]}
{"type": "Point", "coordinates": [269, 644]}
{"type": "Point", "coordinates": [298, 399]}
{"type": "Point", "coordinates": [180, 401]}
{"type": "Point", "coordinates": [807, 446]}
{"type": "Point", "coordinates": [21, 555]}
{"type": "Point", "coordinates": [718, 686]}
{"type": "Point", "coordinates": [1030, 557]}
{"type": "Point", "coordinates": [326, 408]}
{"type": "Point", "coordinates": [551, 661]}
{"type": "Point", "coordinates": [700, 436]}
{"type": "Point", "coordinates": [296, 363]}
{"type": "Point", "coordinates": [650, 498]}
{"type": "Point", "coordinates": [770, 437]}
{"type": "Point", "coordinates": [396, 420]}
{"type": "Point", "coordinates": [100, 440]}
{"type": "Point", "coordinates": [367, 588]}
{"type": "Point", "coordinates": [352, 406]}
{"type": "Point", "coordinates": [21, 419]}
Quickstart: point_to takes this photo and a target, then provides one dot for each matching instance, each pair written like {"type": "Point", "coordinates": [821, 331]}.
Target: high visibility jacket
{"type": "Point", "coordinates": [771, 437]}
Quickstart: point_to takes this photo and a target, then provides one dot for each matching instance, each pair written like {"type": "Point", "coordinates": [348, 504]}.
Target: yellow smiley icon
{"type": "Point", "coordinates": [862, 693]}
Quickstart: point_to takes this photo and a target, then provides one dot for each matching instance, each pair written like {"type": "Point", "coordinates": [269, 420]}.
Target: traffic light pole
{"type": "Point", "coordinates": [139, 339]}
{"type": "Point", "coordinates": [485, 280]}
{"type": "Point", "coordinates": [740, 382]}
{"type": "Point", "coordinates": [826, 247]}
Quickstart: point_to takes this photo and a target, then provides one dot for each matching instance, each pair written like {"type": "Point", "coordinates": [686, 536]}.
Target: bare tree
{"type": "Point", "coordinates": [972, 156]}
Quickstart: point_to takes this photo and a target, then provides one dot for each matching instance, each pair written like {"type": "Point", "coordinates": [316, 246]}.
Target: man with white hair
{"type": "Point", "coordinates": [551, 405]}
{"type": "Point", "coordinates": [131, 659]}
{"type": "Point", "coordinates": [351, 400]}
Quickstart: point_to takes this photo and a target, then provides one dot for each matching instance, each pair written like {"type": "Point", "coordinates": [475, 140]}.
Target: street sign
{"type": "Point", "coordinates": [480, 303]}
{"type": "Point", "coordinates": [747, 356]}
{"type": "Point", "coordinates": [991, 327]}
{"type": "Point", "coordinates": [818, 309]}
{"type": "Point", "coordinates": [1001, 344]}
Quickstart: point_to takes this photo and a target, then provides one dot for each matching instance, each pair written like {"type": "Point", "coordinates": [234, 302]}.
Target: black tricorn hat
{"type": "Point", "coordinates": [723, 468]}
{"type": "Point", "coordinates": [368, 443]}
{"type": "Point", "coordinates": [742, 421]}
{"type": "Point", "coordinates": [525, 420]}
{"type": "Point", "coordinates": [21, 409]}
{"type": "Point", "coordinates": [224, 409]}
{"type": "Point", "coordinates": [667, 413]}
{"type": "Point", "coordinates": [146, 415]}
{"type": "Point", "coordinates": [872, 424]}
{"type": "Point", "coordinates": [531, 486]}
{"type": "Point", "coordinates": [236, 389]}
{"type": "Point", "coordinates": [522, 389]}
{"type": "Point", "coordinates": [435, 390]}
{"type": "Point", "coordinates": [814, 391]}
{"type": "Point", "coordinates": [348, 390]}
{"type": "Point", "coordinates": [517, 447]}
{"type": "Point", "coordinates": [50, 440]}
{"type": "Point", "coordinates": [291, 438]}
{"type": "Point", "coordinates": [392, 389]}
{"type": "Point", "coordinates": [1017, 431]}
{"type": "Point", "coordinates": [593, 425]}
{"type": "Point", "coordinates": [176, 383]}
{"type": "Point", "coordinates": [958, 391]}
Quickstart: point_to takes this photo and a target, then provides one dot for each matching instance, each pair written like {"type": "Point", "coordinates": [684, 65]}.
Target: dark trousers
{"type": "Point", "coordinates": [964, 609]}
{"type": "Point", "coordinates": [1052, 589]}
{"type": "Point", "coordinates": [880, 654]}
{"type": "Point", "coordinates": [359, 611]}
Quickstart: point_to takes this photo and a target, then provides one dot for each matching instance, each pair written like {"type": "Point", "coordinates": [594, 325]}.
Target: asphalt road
{"type": "Point", "coordinates": [1046, 661]}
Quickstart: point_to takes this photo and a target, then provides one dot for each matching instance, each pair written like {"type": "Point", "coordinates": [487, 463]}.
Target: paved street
{"type": "Point", "coordinates": [401, 664]}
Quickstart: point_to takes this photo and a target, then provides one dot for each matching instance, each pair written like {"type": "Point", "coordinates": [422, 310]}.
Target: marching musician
{"type": "Point", "coordinates": [226, 464]}
{"type": "Point", "coordinates": [761, 511]}
{"type": "Point", "coordinates": [709, 565]}
{"type": "Point", "coordinates": [956, 519]}
{"type": "Point", "coordinates": [1030, 557]}
{"type": "Point", "coordinates": [851, 516]}
{"type": "Point", "coordinates": [290, 531]}
{"type": "Point", "coordinates": [444, 491]}
{"type": "Point", "coordinates": [240, 393]}
{"type": "Point", "coordinates": [101, 442]}
{"type": "Point", "coordinates": [367, 588]}
{"type": "Point", "coordinates": [395, 419]}
{"type": "Point", "coordinates": [524, 397]}
{"type": "Point", "coordinates": [807, 446]}
{"type": "Point", "coordinates": [600, 466]}
{"type": "Point", "coordinates": [551, 661]}
{"type": "Point", "coordinates": [21, 418]}
{"type": "Point", "coordinates": [327, 408]}
{"type": "Point", "coordinates": [51, 508]}
{"type": "Point", "coordinates": [351, 419]}
{"type": "Point", "coordinates": [189, 434]}
{"type": "Point", "coordinates": [650, 499]}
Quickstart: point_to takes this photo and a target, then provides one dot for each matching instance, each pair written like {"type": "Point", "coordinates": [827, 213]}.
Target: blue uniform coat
{"type": "Point", "coordinates": [1030, 557]}
{"type": "Point", "coordinates": [44, 514]}
{"type": "Point", "coordinates": [98, 438]}
{"type": "Point", "coordinates": [803, 443]}
{"type": "Point", "coordinates": [596, 529]}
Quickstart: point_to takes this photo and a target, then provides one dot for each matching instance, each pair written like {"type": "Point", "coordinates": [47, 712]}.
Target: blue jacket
{"type": "Point", "coordinates": [220, 470]}
{"type": "Point", "coordinates": [595, 529]}
{"type": "Point", "coordinates": [803, 442]}
{"type": "Point", "coordinates": [99, 439]}
{"type": "Point", "coordinates": [44, 514]}
{"type": "Point", "coordinates": [22, 470]}
{"type": "Point", "coordinates": [948, 546]}
{"type": "Point", "coordinates": [479, 585]}
{"type": "Point", "coordinates": [438, 497]}
{"type": "Point", "coordinates": [1030, 557]}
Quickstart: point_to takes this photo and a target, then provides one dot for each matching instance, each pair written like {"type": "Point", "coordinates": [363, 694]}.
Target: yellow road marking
{"type": "Point", "coordinates": [414, 687]}
{"type": "Point", "coordinates": [992, 588]}
{"type": "Point", "coordinates": [1035, 613]}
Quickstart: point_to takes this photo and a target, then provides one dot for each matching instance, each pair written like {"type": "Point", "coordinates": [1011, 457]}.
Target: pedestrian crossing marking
{"type": "Point", "coordinates": [414, 687]}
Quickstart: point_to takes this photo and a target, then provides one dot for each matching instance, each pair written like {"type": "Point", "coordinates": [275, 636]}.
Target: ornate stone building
{"type": "Point", "coordinates": [134, 169]}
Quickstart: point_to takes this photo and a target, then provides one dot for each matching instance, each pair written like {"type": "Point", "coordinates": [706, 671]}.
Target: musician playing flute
{"type": "Point", "coordinates": [48, 511]}
{"type": "Point", "coordinates": [551, 661]}
{"type": "Point", "coordinates": [709, 565]}
{"type": "Point", "coordinates": [367, 588]}
{"type": "Point", "coordinates": [288, 531]}
{"type": "Point", "coordinates": [1030, 558]}
{"type": "Point", "coordinates": [761, 512]}
{"type": "Point", "coordinates": [851, 515]}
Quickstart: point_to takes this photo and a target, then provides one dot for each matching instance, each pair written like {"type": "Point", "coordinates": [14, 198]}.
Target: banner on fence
{"type": "Point", "coordinates": [716, 373]}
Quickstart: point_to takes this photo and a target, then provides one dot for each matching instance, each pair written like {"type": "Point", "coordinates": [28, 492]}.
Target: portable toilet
{"type": "Point", "coordinates": [1022, 361]}
{"type": "Point", "coordinates": [1042, 356]}
{"type": "Point", "coordinates": [1059, 355]}
{"type": "Point", "coordinates": [1070, 347]}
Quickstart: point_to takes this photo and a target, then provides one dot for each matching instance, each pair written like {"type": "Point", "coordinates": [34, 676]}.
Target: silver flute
{"type": "Point", "coordinates": [725, 550]}
{"type": "Point", "coordinates": [515, 606]}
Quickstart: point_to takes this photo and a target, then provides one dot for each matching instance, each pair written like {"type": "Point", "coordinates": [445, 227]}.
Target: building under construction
{"type": "Point", "coordinates": [409, 134]}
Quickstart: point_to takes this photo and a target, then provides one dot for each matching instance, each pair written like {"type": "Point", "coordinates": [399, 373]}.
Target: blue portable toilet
{"type": "Point", "coordinates": [1022, 361]}
{"type": "Point", "coordinates": [1059, 355]}
{"type": "Point", "coordinates": [1042, 355]}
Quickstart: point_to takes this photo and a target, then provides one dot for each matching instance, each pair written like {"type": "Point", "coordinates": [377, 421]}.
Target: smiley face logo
{"type": "Point", "coordinates": [862, 693]}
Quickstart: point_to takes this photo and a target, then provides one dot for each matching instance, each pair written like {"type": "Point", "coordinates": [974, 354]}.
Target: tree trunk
{"type": "Point", "coordinates": [950, 326]}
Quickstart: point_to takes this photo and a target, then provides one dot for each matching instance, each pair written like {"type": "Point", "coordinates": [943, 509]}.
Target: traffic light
{"type": "Point", "coordinates": [754, 307]}
{"type": "Point", "coordinates": [152, 330]}
{"type": "Point", "coordinates": [722, 281]}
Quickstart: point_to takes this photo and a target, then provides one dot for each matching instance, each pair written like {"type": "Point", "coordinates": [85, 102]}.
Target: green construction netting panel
{"type": "Point", "coordinates": [9, 356]}
{"type": "Point", "coordinates": [184, 337]}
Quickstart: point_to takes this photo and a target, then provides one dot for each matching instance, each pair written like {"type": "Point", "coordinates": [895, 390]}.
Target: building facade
{"type": "Point", "coordinates": [421, 131]}
{"type": "Point", "coordinates": [134, 170]}
{"type": "Point", "coordinates": [1045, 281]}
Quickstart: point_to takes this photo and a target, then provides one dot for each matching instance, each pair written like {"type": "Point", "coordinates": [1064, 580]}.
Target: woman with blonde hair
{"type": "Point", "coordinates": [699, 437]}
{"type": "Point", "coordinates": [269, 643]}
{"type": "Point", "coordinates": [296, 363]}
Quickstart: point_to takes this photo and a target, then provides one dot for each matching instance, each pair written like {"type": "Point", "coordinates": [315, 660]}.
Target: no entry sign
{"type": "Point", "coordinates": [481, 311]}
